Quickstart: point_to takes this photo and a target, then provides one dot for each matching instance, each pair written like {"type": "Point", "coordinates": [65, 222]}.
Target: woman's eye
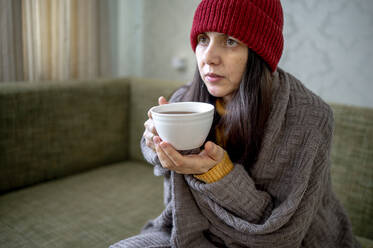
{"type": "Point", "coordinates": [231, 42]}
{"type": "Point", "coordinates": [202, 39]}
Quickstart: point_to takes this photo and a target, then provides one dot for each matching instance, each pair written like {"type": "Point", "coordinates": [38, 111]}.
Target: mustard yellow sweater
{"type": "Point", "coordinates": [225, 166]}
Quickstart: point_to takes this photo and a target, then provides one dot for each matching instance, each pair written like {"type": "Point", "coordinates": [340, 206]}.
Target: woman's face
{"type": "Point", "coordinates": [221, 62]}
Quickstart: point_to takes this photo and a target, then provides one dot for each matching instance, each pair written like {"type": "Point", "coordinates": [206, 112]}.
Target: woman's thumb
{"type": "Point", "coordinates": [214, 151]}
{"type": "Point", "coordinates": [162, 100]}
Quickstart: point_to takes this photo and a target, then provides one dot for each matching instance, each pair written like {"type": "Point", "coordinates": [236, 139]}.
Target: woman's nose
{"type": "Point", "coordinates": [212, 54]}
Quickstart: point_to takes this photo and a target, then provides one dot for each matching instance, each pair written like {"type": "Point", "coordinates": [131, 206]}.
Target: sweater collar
{"type": "Point", "coordinates": [220, 106]}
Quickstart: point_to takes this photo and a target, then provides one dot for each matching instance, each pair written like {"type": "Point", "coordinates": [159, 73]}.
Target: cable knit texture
{"type": "Point", "coordinates": [284, 200]}
{"type": "Point", "coordinates": [257, 23]}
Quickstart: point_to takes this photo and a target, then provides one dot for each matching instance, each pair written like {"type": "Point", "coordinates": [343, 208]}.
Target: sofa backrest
{"type": "Point", "coordinates": [352, 165]}
{"type": "Point", "coordinates": [53, 129]}
{"type": "Point", "coordinates": [144, 95]}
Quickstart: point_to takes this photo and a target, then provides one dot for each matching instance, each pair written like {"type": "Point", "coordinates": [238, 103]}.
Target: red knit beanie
{"type": "Point", "coordinates": [257, 23]}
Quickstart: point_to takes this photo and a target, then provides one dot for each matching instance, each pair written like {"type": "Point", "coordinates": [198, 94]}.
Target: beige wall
{"type": "Point", "coordinates": [327, 44]}
{"type": "Point", "coordinates": [166, 36]}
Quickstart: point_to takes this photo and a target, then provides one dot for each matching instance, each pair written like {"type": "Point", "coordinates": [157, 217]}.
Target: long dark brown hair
{"type": "Point", "coordinates": [247, 112]}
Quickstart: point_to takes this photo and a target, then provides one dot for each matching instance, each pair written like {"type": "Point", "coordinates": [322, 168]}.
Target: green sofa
{"type": "Point", "coordinates": [72, 174]}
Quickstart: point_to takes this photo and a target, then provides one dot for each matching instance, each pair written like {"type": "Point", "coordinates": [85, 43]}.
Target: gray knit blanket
{"type": "Point", "coordinates": [286, 199]}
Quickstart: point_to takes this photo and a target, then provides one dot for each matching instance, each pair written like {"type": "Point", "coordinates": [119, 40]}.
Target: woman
{"type": "Point", "coordinates": [263, 177]}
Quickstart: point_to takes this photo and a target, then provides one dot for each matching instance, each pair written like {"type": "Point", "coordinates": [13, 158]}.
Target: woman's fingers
{"type": "Point", "coordinates": [172, 154]}
{"type": "Point", "coordinates": [149, 140]}
{"type": "Point", "coordinates": [188, 164]}
{"type": "Point", "coordinates": [149, 133]}
{"type": "Point", "coordinates": [149, 125]}
{"type": "Point", "coordinates": [162, 100]}
{"type": "Point", "coordinates": [150, 130]}
{"type": "Point", "coordinates": [163, 158]}
{"type": "Point", "coordinates": [150, 145]}
{"type": "Point", "coordinates": [214, 151]}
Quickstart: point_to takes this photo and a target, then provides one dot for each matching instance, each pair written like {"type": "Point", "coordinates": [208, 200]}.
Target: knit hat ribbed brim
{"type": "Point", "coordinates": [257, 23]}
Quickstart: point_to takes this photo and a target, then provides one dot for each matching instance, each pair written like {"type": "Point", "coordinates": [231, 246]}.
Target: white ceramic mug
{"type": "Point", "coordinates": [185, 125]}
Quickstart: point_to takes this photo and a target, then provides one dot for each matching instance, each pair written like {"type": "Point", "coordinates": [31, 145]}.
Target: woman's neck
{"type": "Point", "coordinates": [226, 99]}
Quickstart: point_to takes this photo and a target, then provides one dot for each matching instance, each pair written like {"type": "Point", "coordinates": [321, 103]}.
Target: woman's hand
{"type": "Point", "coordinates": [188, 164]}
{"type": "Point", "coordinates": [150, 131]}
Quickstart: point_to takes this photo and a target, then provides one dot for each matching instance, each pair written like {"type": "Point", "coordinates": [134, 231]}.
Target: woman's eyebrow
{"type": "Point", "coordinates": [217, 34]}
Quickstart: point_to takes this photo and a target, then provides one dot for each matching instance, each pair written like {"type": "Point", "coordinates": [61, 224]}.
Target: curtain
{"type": "Point", "coordinates": [54, 39]}
{"type": "Point", "coordinates": [11, 56]}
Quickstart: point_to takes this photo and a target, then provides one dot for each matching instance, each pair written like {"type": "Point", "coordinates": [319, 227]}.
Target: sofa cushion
{"type": "Point", "coordinates": [352, 165]}
{"type": "Point", "coordinates": [52, 129]}
{"type": "Point", "coordinates": [144, 95]}
{"type": "Point", "coordinates": [365, 243]}
{"type": "Point", "coordinates": [91, 209]}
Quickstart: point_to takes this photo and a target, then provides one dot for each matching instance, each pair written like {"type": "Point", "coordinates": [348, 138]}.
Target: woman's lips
{"type": "Point", "coordinates": [211, 77]}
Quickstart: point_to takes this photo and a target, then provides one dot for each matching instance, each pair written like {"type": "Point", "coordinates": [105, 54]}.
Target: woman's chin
{"type": "Point", "coordinates": [219, 94]}
{"type": "Point", "coordinates": [215, 92]}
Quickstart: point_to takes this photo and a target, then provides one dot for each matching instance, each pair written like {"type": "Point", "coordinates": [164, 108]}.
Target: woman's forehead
{"type": "Point", "coordinates": [216, 34]}
{"type": "Point", "coordinates": [219, 35]}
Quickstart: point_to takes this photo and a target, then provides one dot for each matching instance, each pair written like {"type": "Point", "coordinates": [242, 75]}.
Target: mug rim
{"type": "Point", "coordinates": [156, 109]}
